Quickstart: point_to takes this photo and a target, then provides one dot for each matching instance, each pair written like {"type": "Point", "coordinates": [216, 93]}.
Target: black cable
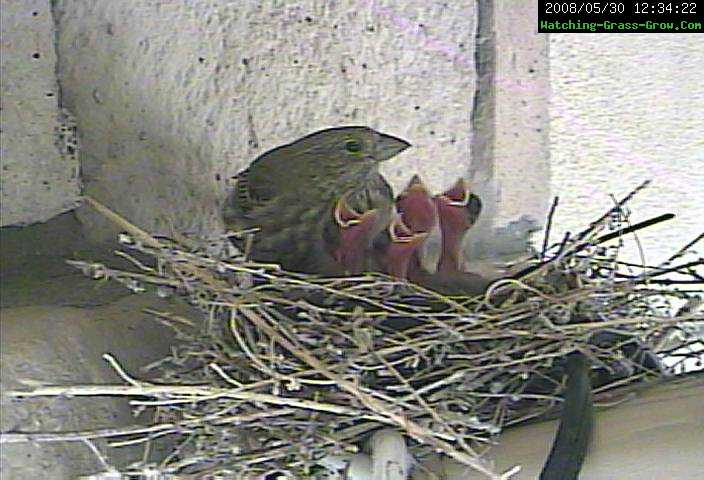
{"type": "Point", "coordinates": [576, 422]}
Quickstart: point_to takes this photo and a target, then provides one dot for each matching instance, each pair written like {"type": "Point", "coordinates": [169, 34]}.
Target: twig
{"type": "Point", "coordinates": [548, 226]}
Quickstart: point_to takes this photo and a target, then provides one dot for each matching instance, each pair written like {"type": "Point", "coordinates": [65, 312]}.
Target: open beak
{"type": "Point", "coordinates": [416, 206]}
{"type": "Point", "coordinates": [346, 216]}
{"type": "Point", "coordinates": [415, 189]}
{"type": "Point", "coordinates": [403, 243]}
{"type": "Point", "coordinates": [459, 196]}
{"type": "Point", "coordinates": [399, 233]}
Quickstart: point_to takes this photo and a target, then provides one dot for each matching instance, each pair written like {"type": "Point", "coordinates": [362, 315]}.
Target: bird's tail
{"type": "Point", "coordinates": [574, 433]}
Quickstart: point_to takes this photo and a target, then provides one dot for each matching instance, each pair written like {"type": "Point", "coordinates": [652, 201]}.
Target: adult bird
{"type": "Point", "coordinates": [291, 193]}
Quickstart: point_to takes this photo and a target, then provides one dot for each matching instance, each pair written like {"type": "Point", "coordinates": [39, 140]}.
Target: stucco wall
{"type": "Point", "coordinates": [626, 108]}
{"type": "Point", "coordinates": [39, 177]}
{"type": "Point", "coordinates": [173, 98]}
{"type": "Point", "coordinates": [510, 166]}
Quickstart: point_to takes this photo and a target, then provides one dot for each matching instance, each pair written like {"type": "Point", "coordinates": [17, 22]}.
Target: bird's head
{"type": "Point", "coordinates": [354, 230]}
{"type": "Point", "coordinates": [416, 207]}
{"type": "Point", "coordinates": [345, 152]}
{"type": "Point", "coordinates": [400, 245]}
{"type": "Point", "coordinates": [353, 143]}
{"type": "Point", "coordinates": [458, 208]}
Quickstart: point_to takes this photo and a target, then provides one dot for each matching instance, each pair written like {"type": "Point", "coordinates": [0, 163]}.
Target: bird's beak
{"type": "Point", "coordinates": [458, 194]}
{"type": "Point", "coordinates": [403, 243]}
{"type": "Point", "coordinates": [416, 186]}
{"type": "Point", "coordinates": [415, 193]}
{"type": "Point", "coordinates": [401, 234]}
{"type": "Point", "coordinates": [388, 146]}
{"type": "Point", "coordinates": [345, 216]}
{"type": "Point", "coordinates": [416, 206]}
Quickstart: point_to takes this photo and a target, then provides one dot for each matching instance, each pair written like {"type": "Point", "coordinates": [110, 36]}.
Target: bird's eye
{"type": "Point", "coordinates": [353, 146]}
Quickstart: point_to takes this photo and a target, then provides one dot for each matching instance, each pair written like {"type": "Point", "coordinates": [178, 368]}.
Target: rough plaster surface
{"type": "Point", "coordinates": [626, 108]}
{"type": "Point", "coordinates": [172, 98]}
{"type": "Point", "coordinates": [510, 162]}
{"type": "Point", "coordinates": [39, 177]}
{"type": "Point", "coordinates": [522, 90]}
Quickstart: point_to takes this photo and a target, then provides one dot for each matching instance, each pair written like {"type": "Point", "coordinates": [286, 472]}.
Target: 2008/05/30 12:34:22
{"type": "Point", "coordinates": [619, 8]}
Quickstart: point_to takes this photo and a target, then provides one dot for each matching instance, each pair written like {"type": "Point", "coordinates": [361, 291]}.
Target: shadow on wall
{"type": "Point", "coordinates": [138, 151]}
{"type": "Point", "coordinates": [506, 242]}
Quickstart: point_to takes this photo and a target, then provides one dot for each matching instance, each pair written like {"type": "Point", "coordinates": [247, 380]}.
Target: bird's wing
{"type": "Point", "coordinates": [251, 192]}
{"type": "Point", "coordinates": [268, 176]}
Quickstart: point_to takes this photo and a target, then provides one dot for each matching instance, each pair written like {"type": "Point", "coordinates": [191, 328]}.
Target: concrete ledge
{"type": "Point", "coordinates": [63, 346]}
{"type": "Point", "coordinates": [658, 435]}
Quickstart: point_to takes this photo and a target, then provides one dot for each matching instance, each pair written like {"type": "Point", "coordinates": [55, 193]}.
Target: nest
{"type": "Point", "coordinates": [290, 369]}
